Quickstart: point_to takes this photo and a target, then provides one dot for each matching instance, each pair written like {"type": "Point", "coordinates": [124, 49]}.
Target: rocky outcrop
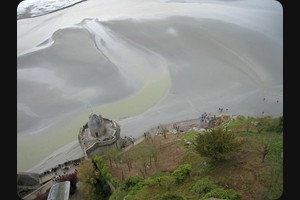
{"type": "Point", "coordinates": [27, 182]}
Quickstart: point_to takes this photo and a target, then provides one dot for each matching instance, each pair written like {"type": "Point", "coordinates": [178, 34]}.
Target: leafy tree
{"type": "Point", "coordinates": [93, 176]}
{"type": "Point", "coordinates": [103, 186]}
{"type": "Point", "coordinates": [216, 144]}
{"type": "Point", "coordinates": [102, 167]}
{"type": "Point", "coordinates": [182, 173]}
{"type": "Point", "coordinates": [87, 176]}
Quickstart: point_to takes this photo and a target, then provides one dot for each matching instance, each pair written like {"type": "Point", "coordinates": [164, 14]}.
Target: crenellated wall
{"type": "Point", "coordinates": [99, 147]}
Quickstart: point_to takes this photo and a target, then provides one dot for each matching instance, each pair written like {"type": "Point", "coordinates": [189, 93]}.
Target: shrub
{"type": "Point", "coordinates": [203, 185]}
{"type": "Point", "coordinates": [182, 173]}
{"type": "Point", "coordinates": [132, 181]}
{"type": "Point", "coordinates": [118, 194]}
{"type": "Point", "coordinates": [223, 194]}
{"type": "Point", "coordinates": [165, 181]}
{"type": "Point", "coordinates": [158, 173]}
{"type": "Point", "coordinates": [170, 197]}
{"type": "Point", "coordinates": [216, 144]}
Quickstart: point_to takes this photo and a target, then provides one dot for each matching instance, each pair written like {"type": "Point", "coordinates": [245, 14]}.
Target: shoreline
{"type": "Point", "coordinates": [47, 177]}
{"type": "Point", "coordinates": [183, 126]}
{"type": "Point", "coordinates": [106, 60]}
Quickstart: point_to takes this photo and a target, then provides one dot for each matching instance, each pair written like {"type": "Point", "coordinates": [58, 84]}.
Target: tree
{"type": "Point", "coordinates": [264, 151]}
{"type": "Point", "coordinates": [127, 158]}
{"type": "Point", "coordinates": [248, 124]}
{"type": "Point", "coordinates": [94, 177]}
{"type": "Point", "coordinates": [216, 144]}
{"type": "Point", "coordinates": [264, 147]}
{"type": "Point", "coordinates": [154, 151]}
{"type": "Point", "coordinates": [164, 132]}
{"type": "Point", "coordinates": [87, 178]}
{"type": "Point", "coordinates": [144, 164]}
{"type": "Point", "coordinates": [113, 155]}
{"type": "Point", "coordinates": [104, 187]}
{"type": "Point", "coordinates": [102, 167]}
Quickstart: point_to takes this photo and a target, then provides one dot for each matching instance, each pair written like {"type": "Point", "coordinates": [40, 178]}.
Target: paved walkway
{"type": "Point", "coordinates": [47, 180]}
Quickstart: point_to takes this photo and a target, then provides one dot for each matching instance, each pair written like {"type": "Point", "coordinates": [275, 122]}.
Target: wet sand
{"type": "Point", "coordinates": [155, 69]}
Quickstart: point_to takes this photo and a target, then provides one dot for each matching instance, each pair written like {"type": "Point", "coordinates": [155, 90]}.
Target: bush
{"type": "Point", "coordinates": [117, 183]}
{"type": "Point", "coordinates": [203, 185]}
{"type": "Point", "coordinates": [165, 181]}
{"type": "Point", "coordinates": [269, 124]}
{"type": "Point", "coordinates": [223, 194]}
{"type": "Point", "coordinates": [216, 144]}
{"type": "Point", "coordinates": [182, 173]}
{"type": "Point", "coordinates": [170, 197]}
{"type": "Point", "coordinates": [158, 173]}
{"type": "Point", "coordinates": [118, 194]}
{"type": "Point", "coordinates": [132, 181]}
{"type": "Point", "coordinates": [149, 182]}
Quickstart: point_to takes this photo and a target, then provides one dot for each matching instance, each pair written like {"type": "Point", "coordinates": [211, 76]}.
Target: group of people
{"type": "Point", "coordinates": [206, 118]}
{"type": "Point", "coordinates": [65, 166]}
{"type": "Point", "coordinates": [58, 178]}
{"type": "Point", "coordinates": [221, 110]}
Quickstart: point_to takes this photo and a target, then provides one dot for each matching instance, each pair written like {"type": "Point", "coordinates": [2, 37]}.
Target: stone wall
{"type": "Point", "coordinates": [100, 147]}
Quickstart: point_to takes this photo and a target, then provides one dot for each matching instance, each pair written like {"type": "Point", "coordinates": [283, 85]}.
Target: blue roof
{"type": "Point", "coordinates": [95, 122]}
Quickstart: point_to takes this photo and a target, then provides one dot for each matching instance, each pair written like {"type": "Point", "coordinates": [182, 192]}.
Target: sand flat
{"type": "Point", "coordinates": [142, 70]}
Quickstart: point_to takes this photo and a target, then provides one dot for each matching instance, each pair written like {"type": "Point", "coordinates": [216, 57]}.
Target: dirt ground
{"type": "Point", "coordinates": [168, 158]}
{"type": "Point", "coordinates": [170, 153]}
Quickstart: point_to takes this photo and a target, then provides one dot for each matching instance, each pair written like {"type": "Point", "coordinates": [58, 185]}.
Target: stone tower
{"type": "Point", "coordinates": [96, 125]}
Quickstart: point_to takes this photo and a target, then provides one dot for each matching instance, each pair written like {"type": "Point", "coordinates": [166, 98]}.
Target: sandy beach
{"type": "Point", "coordinates": [141, 64]}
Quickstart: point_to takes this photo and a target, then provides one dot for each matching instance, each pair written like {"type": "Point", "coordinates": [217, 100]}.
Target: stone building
{"type": "Point", "coordinates": [99, 135]}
